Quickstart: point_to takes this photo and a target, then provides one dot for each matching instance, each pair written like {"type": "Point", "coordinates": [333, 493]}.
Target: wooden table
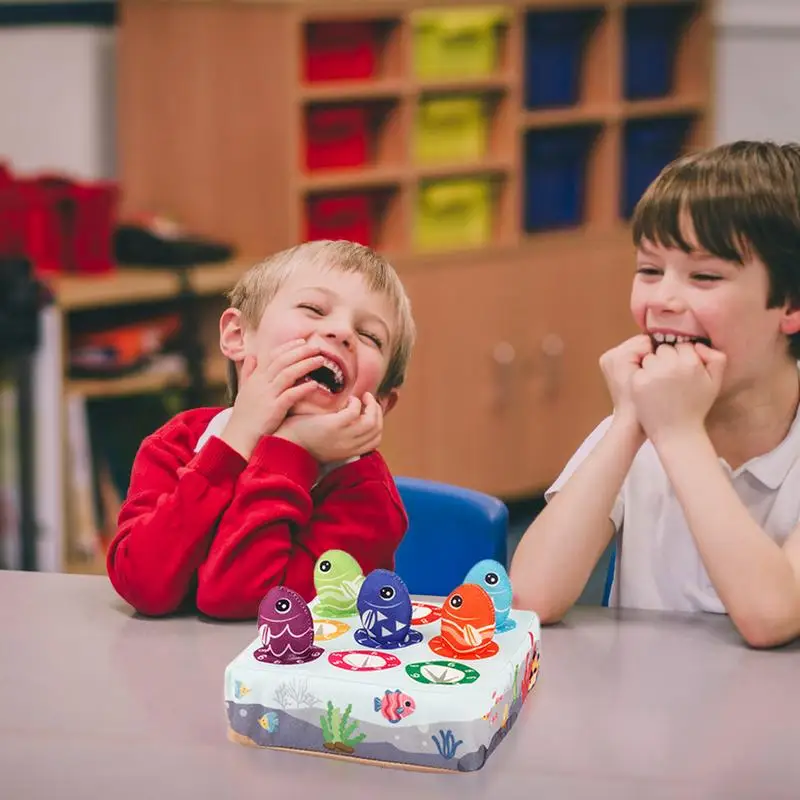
{"type": "Point", "coordinates": [98, 703]}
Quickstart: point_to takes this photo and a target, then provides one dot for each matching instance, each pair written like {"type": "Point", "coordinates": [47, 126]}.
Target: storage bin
{"type": "Point", "coordinates": [648, 146]}
{"type": "Point", "coordinates": [343, 216]}
{"type": "Point", "coordinates": [336, 137]}
{"type": "Point", "coordinates": [450, 129]}
{"type": "Point", "coordinates": [555, 42]}
{"type": "Point", "coordinates": [457, 43]}
{"type": "Point", "coordinates": [340, 51]}
{"type": "Point", "coordinates": [555, 176]}
{"type": "Point", "coordinates": [652, 35]}
{"type": "Point", "coordinates": [58, 225]}
{"type": "Point", "coordinates": [453, 213]}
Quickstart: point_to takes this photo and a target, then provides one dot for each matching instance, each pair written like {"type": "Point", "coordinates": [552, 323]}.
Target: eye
{"type": "Point", "coordinates": [312, 308]}
{"type": "Point", "coordinates": [386, 592]}
{"type": "Point", "coordinates": [408, 704]}
{"type": "Point", "coordinates": [491, 578]}
{"type": "Point", "coordinates": [648, 272]}
{"type": "Point", "coordinates": [325, 566]}
{"type": "Point", "coordinates": [707, 278]}
{"type": "Point", "coordinates": [456, 601]}
{"type": "Point", "coordinates": [282, 606]}
{"type": "Point", "coordinates": [374, 338]}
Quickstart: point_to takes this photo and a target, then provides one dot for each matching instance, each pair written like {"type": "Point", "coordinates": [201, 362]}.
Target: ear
{"type": "Point", "coordinates": [790, 322]}
{"type": "Point", "coordinates": [388, 401]}
{"type": "Point", "coordinates": [231, 335]}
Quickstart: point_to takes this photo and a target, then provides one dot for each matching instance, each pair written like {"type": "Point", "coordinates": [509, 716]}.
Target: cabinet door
{"type": "Point", "coordinates": [462, 379]}
{"type": "Point", "coordinates": [572, 307]}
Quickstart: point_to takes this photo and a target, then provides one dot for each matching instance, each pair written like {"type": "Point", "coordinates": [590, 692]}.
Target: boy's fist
{"type": "Point", "coordinates": [339, 435]}
{"type": "Point", "coordinates": [619, 365]}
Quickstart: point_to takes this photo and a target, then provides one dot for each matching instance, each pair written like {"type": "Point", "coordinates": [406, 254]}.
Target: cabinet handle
{"type": "Point", "coordinates": [503, 356]}
{"type": "Point", "coordinates": [553, 357]}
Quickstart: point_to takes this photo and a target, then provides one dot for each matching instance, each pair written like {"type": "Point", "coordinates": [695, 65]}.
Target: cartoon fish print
{"type": "Point", "coordinates": [337, 582]}
{"type": "Point", "coordinates": [384, 606]}
{"type": "Point", "coordinates": [286, 629]}
{"type": "Point", "coordinates": [467, 628]}
{"type": "Point", "coordinates": [269, 721]}
{"type": "Point", "coordinates": [240, 690]}
{"type": "Point", "coordinates": [395, 705]}
{"type": "Point", "coordinates": [491, 575]}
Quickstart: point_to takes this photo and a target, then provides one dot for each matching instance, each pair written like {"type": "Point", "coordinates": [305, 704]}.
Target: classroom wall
{"type": "Point", "coordinates": [57, 86]}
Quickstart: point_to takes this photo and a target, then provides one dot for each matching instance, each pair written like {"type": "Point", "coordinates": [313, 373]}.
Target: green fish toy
{"type": "Point", "coordinates": [337, 581]}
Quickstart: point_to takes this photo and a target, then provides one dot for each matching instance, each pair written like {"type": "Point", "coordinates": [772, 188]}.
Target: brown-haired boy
{"type": "Point", "coordinates": [698, 469]}
{"type": "Point", "coordinates": [223, 504]}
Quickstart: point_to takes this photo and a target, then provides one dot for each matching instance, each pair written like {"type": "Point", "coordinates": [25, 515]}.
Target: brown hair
{"type": "Point", "coordinates": [743, 200]}
{"type": "Point", "coordinates": [259, 285]}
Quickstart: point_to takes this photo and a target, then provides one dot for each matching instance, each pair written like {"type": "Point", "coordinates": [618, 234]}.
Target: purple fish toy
{"type": "Point", "coordinates": [286, 629]}
{"type": "Point", "coordinates": [384, 606]}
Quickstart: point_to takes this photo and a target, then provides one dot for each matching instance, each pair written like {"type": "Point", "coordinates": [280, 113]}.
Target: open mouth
{"type": "Point", "coordinates": [677, 338]}
{"type": "Point", "coordinates": [328, 377]}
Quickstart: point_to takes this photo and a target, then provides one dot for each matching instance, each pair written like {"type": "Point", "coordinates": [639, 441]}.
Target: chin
{"type": "Point", "coordinates": [323, 405]}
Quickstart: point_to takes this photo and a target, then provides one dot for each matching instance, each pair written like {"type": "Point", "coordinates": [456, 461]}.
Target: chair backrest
{"type": "Point", "coordinates": [450, 529]}
{"type": "Point", "coordinates": [612, 565]}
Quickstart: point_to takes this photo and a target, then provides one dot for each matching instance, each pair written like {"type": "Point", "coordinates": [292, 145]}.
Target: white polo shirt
{"type": "Point", "coordinates": [660, 567]}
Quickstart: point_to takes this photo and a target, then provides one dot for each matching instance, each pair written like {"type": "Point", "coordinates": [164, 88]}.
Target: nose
{"type": "Point", "coordinates": [338, 329]}
{"type": "Point", "coordinates": [666, 296]}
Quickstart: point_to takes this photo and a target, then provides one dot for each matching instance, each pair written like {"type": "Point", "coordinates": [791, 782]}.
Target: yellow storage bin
{"type": "Point", "coordinates": [451, 129]}
{"type": "Point", "coordinates": [453, 214]}
{"type": "Point", "coordinates": [457, 43]}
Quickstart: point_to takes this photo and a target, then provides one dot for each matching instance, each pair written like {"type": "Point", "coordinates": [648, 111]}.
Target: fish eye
{"type": "Point", "coordinates": [282, 606]}
{"type": "Point", "coordinates": [491, 578]}
{"type": "Point", "coordinates": [386, 592]}
{"type": "Point", "coordinates": [325, 566]}
{"type": "Point", "coordinates": [408, 704]}
{"type": "Point", "coordinates": [456, 601]}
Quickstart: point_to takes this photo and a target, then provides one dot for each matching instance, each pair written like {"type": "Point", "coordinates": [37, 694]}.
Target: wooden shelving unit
{"type": "Point", "coordinates": [584, 103]}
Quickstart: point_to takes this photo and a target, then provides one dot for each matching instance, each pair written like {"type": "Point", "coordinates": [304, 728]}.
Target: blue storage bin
{"type": "Point", "coordinates": [554, 49]}
{"type": "Point", "coordinates": [648, 146]}
{"type": "Point", "coordinates": [555, 176]}
{"type": "Point", "coordinates": [652, 34]}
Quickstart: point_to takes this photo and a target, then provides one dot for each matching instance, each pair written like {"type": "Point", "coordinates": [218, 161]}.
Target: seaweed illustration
{"type": "Point", "coordinates": [516, 674]}
{"type": "Point", "coordinates": [294, 695]}
{"type": "Point", "coordinates": [448, 746]}
{"type": "Point", "coordinates": [338, 730]}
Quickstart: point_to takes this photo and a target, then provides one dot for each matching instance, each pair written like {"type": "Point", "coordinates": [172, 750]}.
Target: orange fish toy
{"type": "Point", "coordinates": [468, 625]}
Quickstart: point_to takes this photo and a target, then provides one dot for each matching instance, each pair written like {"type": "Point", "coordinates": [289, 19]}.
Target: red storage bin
{"type": "Point", "coordinates": [340, 51]}
{"type": "Point", "coordinates": [340, 217]}
{"type": "Point", "coordinates": [336, 137]}
{"type": "Point", "coordinates": [57, 224]}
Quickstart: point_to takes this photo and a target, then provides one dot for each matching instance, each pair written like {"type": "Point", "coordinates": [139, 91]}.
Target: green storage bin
{"type": "Point", "coordinates": [457, 43]}
{"type": "Point", "coordinates": [453, 214]}
{"type": "Point", "coordinates": [450, 129]}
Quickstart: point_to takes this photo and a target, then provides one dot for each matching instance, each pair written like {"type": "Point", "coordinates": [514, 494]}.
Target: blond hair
{"type": "Point", "coordinates": [259, 285]}
{"type": "Point", "coordinates": [742, 199]}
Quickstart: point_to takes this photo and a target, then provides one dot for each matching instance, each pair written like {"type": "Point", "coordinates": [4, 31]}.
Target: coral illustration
{"type": "Point", "coordinates": [448, 745]}
{"type": "Point", "coordinates": [295, 695]}
{"type": "Point", "coordinates": [338, 730]}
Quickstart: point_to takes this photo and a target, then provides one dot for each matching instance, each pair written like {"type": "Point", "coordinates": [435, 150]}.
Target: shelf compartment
{"type": "Point", "coordinates": [349, 50]}
{"type": "Point", "coordinates": [368, 216]}
{"type": "Point", "coordinates": [555, 170]}
{"type": "Point", "coordinates": [648, 145]}
{"type": "Point", "coordinates": [555, 58]}
{"type": "Point", "coordinates": [458, 43]}
{"type": "Point", "coordinates": [455, 213]}
{"type": "Point", "coordinates": [652, 44]}
{"type": "Point", "coordinates": [348, 135]}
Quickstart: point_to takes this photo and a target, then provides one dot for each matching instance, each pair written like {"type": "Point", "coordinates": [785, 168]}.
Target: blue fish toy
{"type": "Point", "coordinates": [384, 606]}
{"type": "Point", "coordinates": [491, 576]}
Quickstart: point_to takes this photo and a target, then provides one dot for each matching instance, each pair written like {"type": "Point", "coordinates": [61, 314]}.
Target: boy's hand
{"type": "Point", "coordinates": [267, 391]}
{"type": "Point", "coordinates": [619, 365]}
{"type": "Point", "coordinates": [339, 435]}
{"type": "Point", "coordinates": [676, 387]}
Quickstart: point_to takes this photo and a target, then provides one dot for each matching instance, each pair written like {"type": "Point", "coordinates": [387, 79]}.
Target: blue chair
{"type": "Point", "coordinates": [610, 574]}
{"type": "Point", "coordinates": [450, 528]}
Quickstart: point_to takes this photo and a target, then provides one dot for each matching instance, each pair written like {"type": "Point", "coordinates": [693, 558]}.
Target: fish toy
{"type": "Point", "coordinates": [467, 627]}
{"type": "Point", "coordinates": [384, 606]}
{"type": "Point", "coordinates": [491, 575]}
{"type": "Point", "coordinates": [286, 629]}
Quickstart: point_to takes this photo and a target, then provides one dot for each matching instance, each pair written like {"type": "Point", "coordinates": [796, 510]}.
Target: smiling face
{"type": "Point", "coordinates": [695, 296]}
{"type": "Point", "coordinates": [351, 325]}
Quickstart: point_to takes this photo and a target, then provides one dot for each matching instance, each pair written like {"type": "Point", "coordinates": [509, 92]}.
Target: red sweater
{"type": "Point", "coordinates": [216, 529]}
